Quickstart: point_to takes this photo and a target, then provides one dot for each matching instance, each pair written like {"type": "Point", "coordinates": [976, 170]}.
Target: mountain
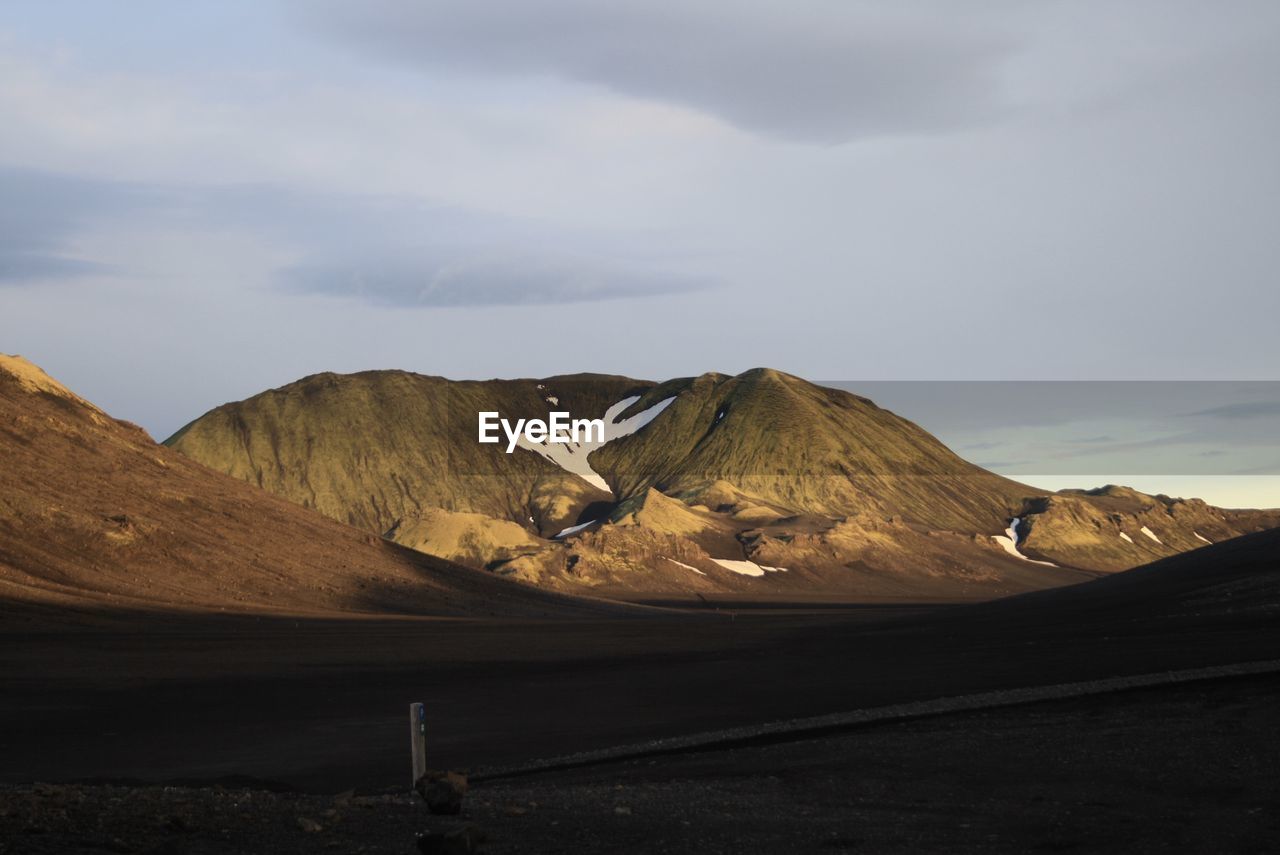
{"type": "Point", "coordinates": [378, 448]}
{"type": "Point", "coordinates": [96, 517]}
{"type": "Point", "coordinates": [796, 446]}
{"type": "Point", "coordinates": [1114, 528]}
{"type": "Point", "coordinates": [1236, 580]}
{"type": "Point", "coordinates": [761, 484]}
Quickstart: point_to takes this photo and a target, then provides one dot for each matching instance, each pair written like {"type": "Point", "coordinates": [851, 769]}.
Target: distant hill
{"type": "Point", "coordinates": [1237, 579]}
{"type": "Point", "coordinates": [761, 484]}
{"type": "Point", "coordinates": [96, 517]}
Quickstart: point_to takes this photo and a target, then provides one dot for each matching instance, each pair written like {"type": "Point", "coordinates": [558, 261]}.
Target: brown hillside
{"type": "Point", "coordinates": [95, 516]}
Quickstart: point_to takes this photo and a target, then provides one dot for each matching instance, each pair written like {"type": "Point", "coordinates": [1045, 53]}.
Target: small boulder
{"type": "Point", "coordinates": [442, 791]}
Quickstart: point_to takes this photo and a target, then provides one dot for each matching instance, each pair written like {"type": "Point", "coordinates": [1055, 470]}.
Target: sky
{"type": "Point", "coordinates": [202, 200]}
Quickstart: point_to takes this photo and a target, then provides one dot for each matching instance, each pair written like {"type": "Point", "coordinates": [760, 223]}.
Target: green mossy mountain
{"type": "Point", "coordinates": [805, 448]}
{"type": "Point", "coordinates": [757, 482]}
{"type": "Point", "coordinates": [381, 447]}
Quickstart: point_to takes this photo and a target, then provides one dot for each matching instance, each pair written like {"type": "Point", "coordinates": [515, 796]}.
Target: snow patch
{"type": "Point", "coordinates": [747, 568]}
{"type": "Point", "coordinates": [1009, 543]}
{"type": "Point", "coordinates": [1151, 534]}
{"type": "Point", "coordinates": [1201, 537]}
{"type": "Point", "coordinates": [685, 566]}
{"type": "Point", "coordinates": [1126, 537]}
{"type": "Point", "coordinates": [572, 456]}
{"type": "Point", "coordinates": [574, 529]}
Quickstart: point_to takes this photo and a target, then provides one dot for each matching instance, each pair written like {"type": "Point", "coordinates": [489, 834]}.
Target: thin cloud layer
{"type": "Point", "coordinates": [40, 215]}
{"type": "Point", "coordinates": [384, 251]}
{"type": "Point", "coordinates": [813, 72]}
{"type": "Point", "coordinates": [482, 280]}
{"type": "Point", "coordinates": [1243, 410]}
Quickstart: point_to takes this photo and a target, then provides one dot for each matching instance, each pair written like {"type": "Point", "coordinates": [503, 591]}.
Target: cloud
{"type": "Point", "coordinates": [814, 72]}
{"type": "Point", "coordinates": [40, 216]}
{"type": "Point", "coordinates": [487, 280]}
{"type": "Point", "coordinates": [1272, 468]}
{"type": "Point", "coordinates": [398, 251]}
{"type": "Point", "coordinates": [1243, 410]}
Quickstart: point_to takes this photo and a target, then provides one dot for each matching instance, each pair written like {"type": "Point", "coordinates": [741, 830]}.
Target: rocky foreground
{"type": "Point", "coordinates": [1186, 768]}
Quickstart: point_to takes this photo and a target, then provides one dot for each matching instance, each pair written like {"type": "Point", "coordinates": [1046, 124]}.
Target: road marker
{"type": "Point", "coordinates": [418, 739]}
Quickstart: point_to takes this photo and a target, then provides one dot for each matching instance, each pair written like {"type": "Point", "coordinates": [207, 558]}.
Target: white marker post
{"type": "Point", "coordinates": [418, 739]}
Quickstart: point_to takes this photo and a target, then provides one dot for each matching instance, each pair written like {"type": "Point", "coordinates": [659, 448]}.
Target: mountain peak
{"type": "Point", "coordinates": [32, 378]}
{"type": "Point", "coordinates": [763, 371]}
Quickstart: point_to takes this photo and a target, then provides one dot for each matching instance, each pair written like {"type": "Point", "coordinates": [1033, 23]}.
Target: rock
{"type": "Point", "coordinates": [442, 791]}
{"type": "Point", "coordinates": [622, 810]}
{"type": "Point", "coordinates": [458, 841]}
{"type": "Point", "coordinates": [310, 826]}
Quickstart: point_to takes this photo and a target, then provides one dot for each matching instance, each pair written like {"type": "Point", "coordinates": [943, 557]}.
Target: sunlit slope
{"type": "Point", "coordinates": [806, 448]}
{"type": "Point", "coordinates": [709, 481]}
{"type": "Point", "coordinates": [96, 517]}
{"type": "Point", "coordinates": [382, 448]}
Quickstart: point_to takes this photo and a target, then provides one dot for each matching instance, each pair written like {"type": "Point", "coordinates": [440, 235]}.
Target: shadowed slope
{"type": "Point", "coordinates": [1238, 577]}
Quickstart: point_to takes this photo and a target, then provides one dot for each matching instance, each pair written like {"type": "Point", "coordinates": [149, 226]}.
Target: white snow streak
{"type": "Point", "coordinates": [1151, 534]}
{"type": "Point", "coordinates": [747, 568]}
{"type": "Point", "coordinates": [1009, 543]}
{"type": "Point", "coordinates": [685, 566]}
{"type": "Point", "coordinates": [1124, 536]}
{"type": "Point", "coordinates": [573, 529]}
{"type": "Point", "coordinates": [1201, 537]}
{"type": "Point", "coordinates": [572, 456]}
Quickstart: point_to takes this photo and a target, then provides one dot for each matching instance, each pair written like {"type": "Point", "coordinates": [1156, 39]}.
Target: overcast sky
{"type": "Point", "coordinates": [203, 200]}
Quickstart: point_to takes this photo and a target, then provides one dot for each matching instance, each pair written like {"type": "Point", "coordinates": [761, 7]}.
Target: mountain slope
{"type": "Point", "coordinates": [1237, 579]}
{"type": "Point", "coordinates": [761, 484]}
{"type": "Point", "coordinates": [1114, 528]}
{"type": "Point", "coordinates": [94, 515]}
{"type": "Point", "coordinates": [382, 447]}
{"type": "Point", "coordinates": [805, 448]}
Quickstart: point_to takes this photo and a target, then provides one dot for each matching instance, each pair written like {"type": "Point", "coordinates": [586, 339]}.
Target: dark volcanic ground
{"type": "Point", "coordinates": [1187, 768]}
{"type": "Point", "coordinates": [323, 705]}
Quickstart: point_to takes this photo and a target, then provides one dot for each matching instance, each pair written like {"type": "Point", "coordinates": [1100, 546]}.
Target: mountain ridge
{"type": "Point", "coordinates": [764, 468]}
{"type": "Point", "coordinates": [97, 518]}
